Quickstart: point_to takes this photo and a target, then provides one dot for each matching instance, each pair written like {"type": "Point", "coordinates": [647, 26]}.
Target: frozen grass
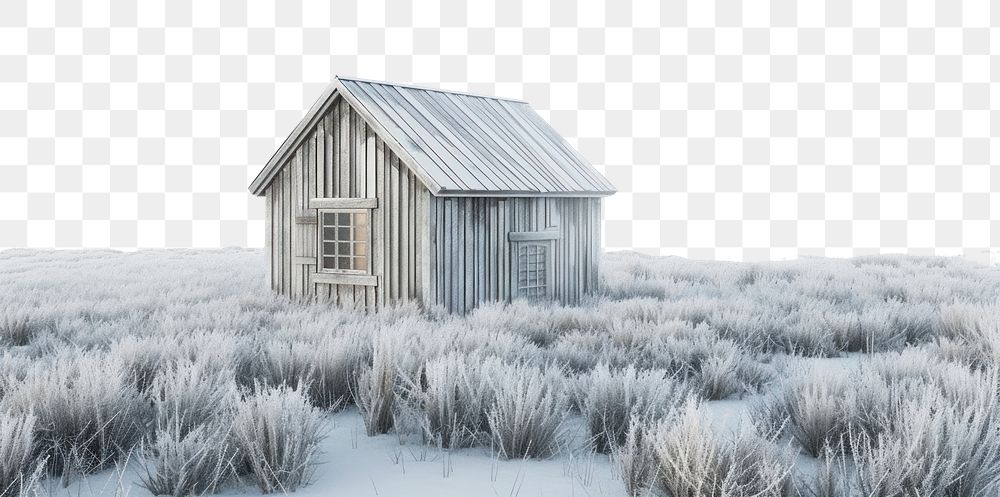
{"type": "Point", "coordinates": [449, 400]}
{"type": "Point", "coordinates": [634, 461]}
{"type": "Point", "coordinates": [377, 387]}
{"type": "Point", "coordinates": [817, 411]}
{"type": "Point", "coordinates": [185, 462]}
{"type": "Point", "coordinates": [15, 330]}
{"type": "Point", "coordinates": [527, 413]}
{"type": "Point", "coordinates": [695, 461]}
{"type": "Point", "coordinates": [187, 394]}
{"type": "Point", "coordinates": [277, 433]}
{"type": "Point", "coordinates": [19, 467]}
{"type": "Point", "coordinates": [156, 355]}
{"type": "Point", "coordinates": [914, 425]}
{"type": "Point", "coordinates": [88, 411]}
{"type": "Point", "coordinates": [612, 399]}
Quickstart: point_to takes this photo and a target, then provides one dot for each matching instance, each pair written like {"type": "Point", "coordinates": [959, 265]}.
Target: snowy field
{"type": "Point", "coordinates": [178, 373]}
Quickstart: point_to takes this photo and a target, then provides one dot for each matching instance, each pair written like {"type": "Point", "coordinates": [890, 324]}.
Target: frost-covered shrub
{"type": "Point", "coordinates": [277, 433]}
{"type": "Point", "coordinates": [334, 363]}
{"type": "Point", "coordinates": [187, 394]}
{"type": "Point", "coordinates": [934, 448]}
{"type": "Point", "coordinates": [142, 358]}
{"type": "Point", "coordinates": [19, 470]}
{"type": "Point", "coordinates": [927, 428]}
{"type": "Point", "coordinates": [541, 325]}
{"type": "Point", "coordinates": [527, 413]}
{"type": "Point", "coordinates": [728, 373]}
{"type": "Point", "coordinates": [717, 368]}
{"type": "Point", "coordinates": [87, 409]}
{"type": "Point", "coordinates": [832, 478]}
{"type": "Point", "coordinates": [748, 324]}
{"type": "Point", "coordinates": [915, 426]}
{"type": "Point", "coordinates": [580, 352]}
{"type": "Point", "coordinates": [806, 339]}
{"type": "Point", "coordinates": [378, 384]}
{"type": "Point", "coordinates": [972, 334]}
{"type": "Point", "coordinates": [279, 362]}
{"type": "Point", "coordinates": [450, 397]}
{"type": "Point", "coordinates": [818, 411]}
{"type": "Point", "coordinates": [694, 461]}
{"type": "Point", "coordinates": [634, 461]}
{"type": "Point", "coordinates": [187, 461]}
{"type": "Point", "coordinates": [612, 399]}
{"type": "Point", "coordinates": [15, 329]}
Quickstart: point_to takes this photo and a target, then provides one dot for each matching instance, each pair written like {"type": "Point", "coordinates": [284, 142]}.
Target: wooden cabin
{"type": "Point", "coordinates": [386, 193]}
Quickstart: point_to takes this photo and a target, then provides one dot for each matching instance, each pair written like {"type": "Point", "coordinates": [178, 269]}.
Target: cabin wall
{"type": "Point", "coordinates": [470, 252]}
{"type": "Point", "coordinates": [342, 157]}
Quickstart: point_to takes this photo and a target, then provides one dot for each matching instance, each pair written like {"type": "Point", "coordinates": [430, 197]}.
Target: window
{"type": "Point", "coordinates": [532, 262]}
{"type": "Point", "coordinates": [345, 236]}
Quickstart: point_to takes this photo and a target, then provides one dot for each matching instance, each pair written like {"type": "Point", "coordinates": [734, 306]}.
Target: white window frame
{"type": "Point", "coordinates": [320, 255]}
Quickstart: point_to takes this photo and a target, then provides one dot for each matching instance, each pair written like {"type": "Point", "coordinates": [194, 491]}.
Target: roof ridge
{"type": "Point", "coordinates": [429, 88]}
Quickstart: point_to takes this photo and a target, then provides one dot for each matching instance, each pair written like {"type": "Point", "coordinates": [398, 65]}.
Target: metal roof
{"type": "Point", "coordinates": [461, 144]}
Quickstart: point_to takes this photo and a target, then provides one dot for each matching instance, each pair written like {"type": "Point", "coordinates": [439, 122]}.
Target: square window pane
{"type": "Point", "coordinates": [344, 219]}
{"type": "Point", "coordinates": [329, 218]}
{"type": "Point", "coordinates": [329, 248]}
{"type": "Point", "coordinates": [360, 263]}
{"type": "Point", "coordinates": [343, 262]}
{"type": "Point", "coordinates": [329, 233]}
{"type": "Point", "coordinates": [360, 249]}
{"type": "Point", "coordinates": [343, 233]}
{"type": "Point", "coordinates": [344, 248]}
{"type": "Point", "coordinates": [361, 219]}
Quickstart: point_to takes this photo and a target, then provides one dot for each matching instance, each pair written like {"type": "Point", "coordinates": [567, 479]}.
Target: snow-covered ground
{"type": "Point", "coordinates": [388, 466]}
{"type": "Point", "coordinates": [774, 369]}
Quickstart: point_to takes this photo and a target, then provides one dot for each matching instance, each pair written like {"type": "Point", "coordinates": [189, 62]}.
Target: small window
{"type": "Point", "coordinates": [532, 270]}
{"type": "Point", "coordinates": [345, 236]}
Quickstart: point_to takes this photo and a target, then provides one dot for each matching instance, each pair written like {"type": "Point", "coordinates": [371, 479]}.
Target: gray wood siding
{"type": "Point", "coordinates": [471, 255]}
{"type": "Point", "coordinates": [342, 157]}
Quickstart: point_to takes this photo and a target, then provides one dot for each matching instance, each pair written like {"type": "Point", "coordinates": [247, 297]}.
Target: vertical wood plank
{"type": "Point", "coordinates": [504, 244]}
{"type": "Point", "coordinates": [449, 285]}
{"type": "Point", "coordinates": [469, 261]}
{"type": "Point", "coordinates": [369, 161]}
{"type": "Point", "coordinates": [317, 181]}
{"type": "Point", "coordinates": [279, 242]}
{"type": "Point", "coordinates": [492, 268]}
{"type": "Point", "coordinates": [296, 187]}
{"type": "Point", "coordinates": [579, 244]}
{"type": "Point", "coordinates": [404, 233]}
{"type": "Point", "coordinates": [286, 212]}
{"type": "Point", "coordinates": [411, 226]}
{"type": "Point", "coordinates": [360, 154]}
{"type": "Point", "coordinates": [347, 187]}
{"type": "Point", "coordinates": [425, 224]}
{"type": "Point", "coordinates": [378, 220]}
{"type": "Point", "coordinates": [269, 235]}
{"type": "Point", "coordinates": [594, 248]}
{"type": "Point", "coordinates": [394, 243]}
{"type": "Point", "coordinates": [479, 264]}
{"type": "Point", "coordinates": [329, 173]}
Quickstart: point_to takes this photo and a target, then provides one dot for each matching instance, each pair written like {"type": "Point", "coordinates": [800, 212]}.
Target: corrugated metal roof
{"type": "Point", "coordinates": [463, 144]}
